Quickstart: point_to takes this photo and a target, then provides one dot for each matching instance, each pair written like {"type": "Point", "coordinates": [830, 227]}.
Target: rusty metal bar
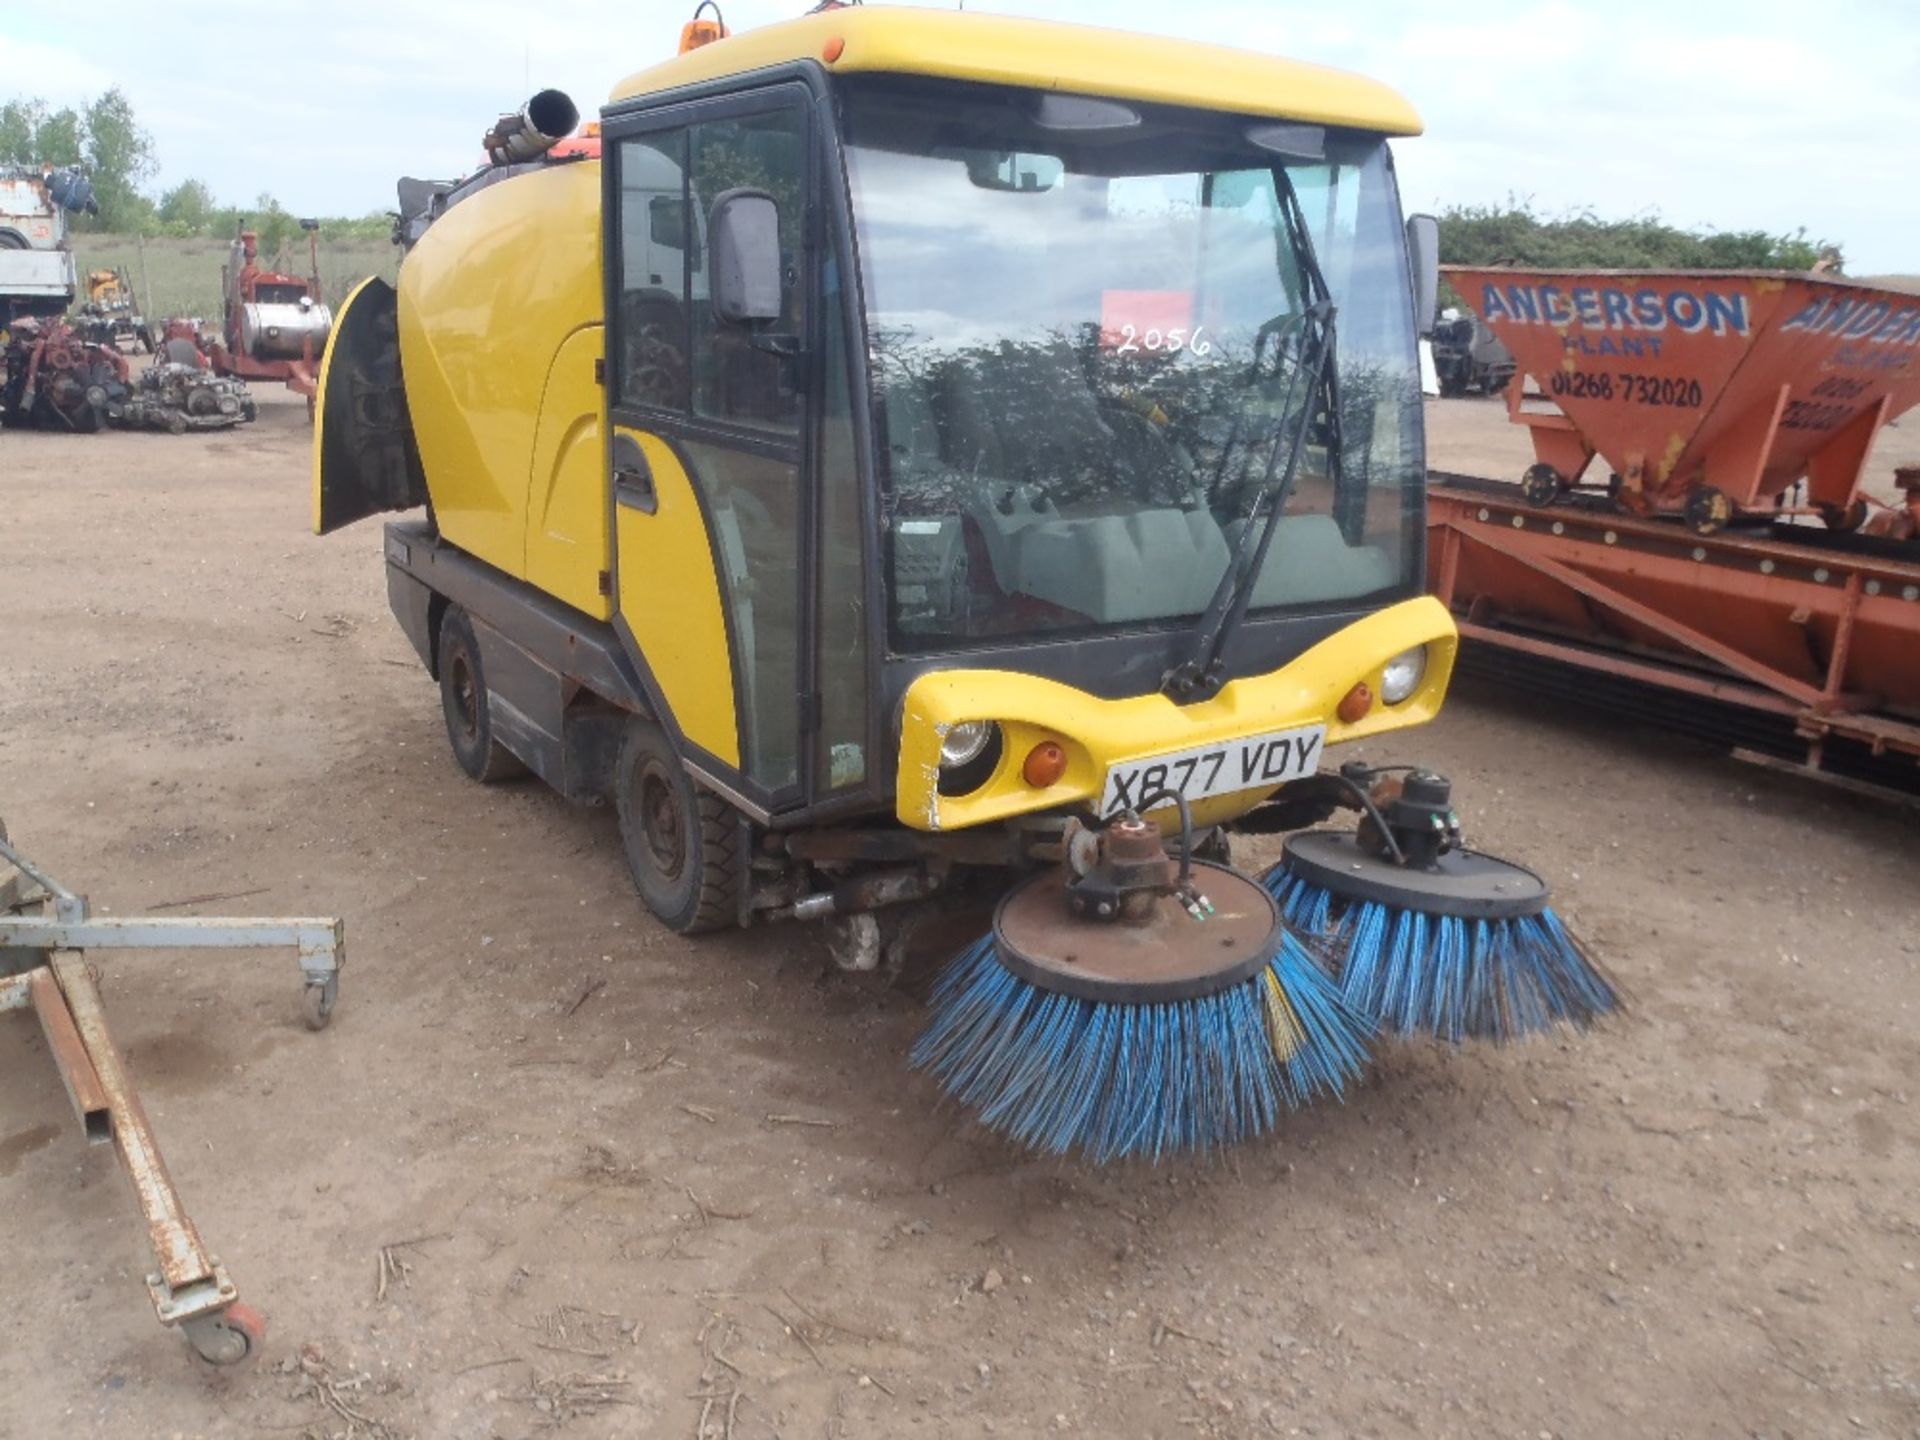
{"type": "Point", "coordinates": [1842, 643]}
{"type": "Point", "coordinates": [185, 1266]}
{"type": "Point", "coordinates": [1676, 630]}
{"type": "Point", "coordinates": [1449, 576]}
{"type": "Point", "coordinates": [70, 1056]}
{"type": "Point", "coordinates": [1650, 671]}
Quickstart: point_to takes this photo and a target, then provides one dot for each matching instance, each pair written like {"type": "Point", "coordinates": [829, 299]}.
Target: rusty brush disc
{"type": "Point", "coordinates": [1464, 884]}
{"type": "Point", "coordinates": [1172, 956]}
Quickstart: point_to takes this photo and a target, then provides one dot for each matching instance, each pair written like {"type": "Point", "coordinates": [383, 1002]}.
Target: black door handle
{"type": "Point", "coordinates": [633, 476]}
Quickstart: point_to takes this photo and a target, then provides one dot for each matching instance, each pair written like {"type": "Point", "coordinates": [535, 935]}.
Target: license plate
{"type": "Point", "coordinates": [1259, 762]}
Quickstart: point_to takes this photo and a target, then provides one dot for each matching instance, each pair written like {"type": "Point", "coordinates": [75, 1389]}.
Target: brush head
{"type": "Point", "coordinates": [1190, 1029]}
{"type": "Point", "coordinates": [1466, 948]}
{"type": "Point", "coordinates": [1464, 884]}
{"type": "Point", "coordinates": [1164, 956]}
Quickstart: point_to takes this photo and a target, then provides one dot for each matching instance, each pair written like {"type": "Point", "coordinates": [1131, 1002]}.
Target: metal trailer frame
{"type": "Point", "coordinates": [43, 968]}
{"type": "Point", "coordinates": [1794, 622]}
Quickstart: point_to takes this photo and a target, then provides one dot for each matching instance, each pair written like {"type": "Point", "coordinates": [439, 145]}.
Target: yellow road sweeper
{"type": "Point", "coordinates": [905, 450]}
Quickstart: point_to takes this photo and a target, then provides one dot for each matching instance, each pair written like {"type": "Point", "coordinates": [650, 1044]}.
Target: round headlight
{"type": "Point", "coordinates": [964, 743]}
{"type": "Point", "coordinates": [1403, 674]}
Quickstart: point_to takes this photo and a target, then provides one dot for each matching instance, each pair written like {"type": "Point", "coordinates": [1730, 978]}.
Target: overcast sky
{"type": "Point", "coordinates": [1736, 114]}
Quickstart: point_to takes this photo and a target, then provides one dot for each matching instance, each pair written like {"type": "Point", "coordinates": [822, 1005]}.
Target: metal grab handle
{"type": "Point", "coordinates": [633, 476]}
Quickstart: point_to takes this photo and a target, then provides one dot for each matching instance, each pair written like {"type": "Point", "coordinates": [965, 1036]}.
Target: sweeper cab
{"type": "Point", "coordinates": [915, 452]}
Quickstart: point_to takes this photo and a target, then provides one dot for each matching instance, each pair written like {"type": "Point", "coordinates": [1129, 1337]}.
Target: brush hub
{"type": "Point", "coordinates": [1464, 884]}
{"type": "Point", "coordinates": [1166, 955]}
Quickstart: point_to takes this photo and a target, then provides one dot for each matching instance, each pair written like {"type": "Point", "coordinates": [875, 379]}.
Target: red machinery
{"type": "Point", "coordinates": [51, 377]}
{"type": "Point", "coordinates": [1710, 396]}
{"type": "Point", "coordinates": [273, 326]}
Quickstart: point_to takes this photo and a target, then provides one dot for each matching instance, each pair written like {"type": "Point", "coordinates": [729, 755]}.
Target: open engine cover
{"type": "Point", "coordinates": [364, 456]}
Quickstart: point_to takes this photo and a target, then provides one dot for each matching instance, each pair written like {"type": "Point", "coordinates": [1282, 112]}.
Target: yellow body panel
{"type": "Point", "coordinates": [567, 541]}
{"type": "Point", "coordinates": [1081, 59]}
{"type": "Point", "coordinates": [492, 289]}
{"type": "Point", "coordinates": [1097, 733]}
{"type": "Point", "coordinates": [670, 599]}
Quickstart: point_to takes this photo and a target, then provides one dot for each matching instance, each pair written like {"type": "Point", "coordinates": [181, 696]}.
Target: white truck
{"type": "Point", "coordinates": [36, 267]}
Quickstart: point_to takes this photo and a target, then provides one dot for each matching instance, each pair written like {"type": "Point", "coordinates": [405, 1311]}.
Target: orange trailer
{"type": "Point", "coordinates": [1791, 643]}
{"type": "Point", "coordinates": [1707, 394]}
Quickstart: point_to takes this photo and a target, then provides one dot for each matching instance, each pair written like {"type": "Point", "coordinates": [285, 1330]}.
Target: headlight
{"type": "Point", "coordinates": [964, 742]}
{"type": "Point", "coordinates": [1403, 674]}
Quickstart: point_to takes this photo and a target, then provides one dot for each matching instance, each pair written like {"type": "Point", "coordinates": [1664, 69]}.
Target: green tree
{"type": "Point", "coordinates": [19, 124]}
{"type": "Point", "coordinates": [274, 224]}
{"type": "Point", "coordinates": [119, 156]}
{"type": "Point", "coordinates": [58, 140]}
{"type": "Point", "coordinates": [187, 208]}
{"type": "Point", "coordinates": [1580, 239]}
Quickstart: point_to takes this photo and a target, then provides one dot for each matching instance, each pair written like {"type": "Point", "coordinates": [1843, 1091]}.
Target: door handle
{"type": "Point", "coordinates": [633, 476]}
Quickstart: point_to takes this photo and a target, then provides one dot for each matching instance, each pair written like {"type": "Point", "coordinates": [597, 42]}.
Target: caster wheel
{"type": "Point", "coordinates": [229, 1336]}
{"type": "Point", "coordinates": [1542, 485]}
{"type": "Point", "coordinates": [855, 942]}
{"type": "Point", "coordinates": [1708, 510]}
{"type": "Point", "coordinates": [1844, 518]}
{"type": "Point", "coordinates": [316, 1003]}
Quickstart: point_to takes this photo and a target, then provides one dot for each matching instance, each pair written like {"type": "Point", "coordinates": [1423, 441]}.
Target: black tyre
{"type": "Point", "coordinates": [682, 843]}
{"type": "Point", "coordinates": [463, 700]}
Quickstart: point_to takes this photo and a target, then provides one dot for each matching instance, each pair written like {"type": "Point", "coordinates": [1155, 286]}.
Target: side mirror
{"type": "Point", "coordinates": [743, 252]}
{"type": "Point", "coordinates": [1423, 258]}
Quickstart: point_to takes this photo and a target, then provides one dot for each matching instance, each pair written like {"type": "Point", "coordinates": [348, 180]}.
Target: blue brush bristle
{"type": "Point", "coordinates": [1440, 975]}
{"type": "Point", "coordinates": [1057, 1073]}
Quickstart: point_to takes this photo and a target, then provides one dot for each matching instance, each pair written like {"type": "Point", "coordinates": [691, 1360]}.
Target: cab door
{"type": "Point", "coordinates": [708, 436]}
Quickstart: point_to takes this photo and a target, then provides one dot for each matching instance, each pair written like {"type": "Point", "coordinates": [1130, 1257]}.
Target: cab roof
{"type": "Point", "coordinates": [1044, 55]}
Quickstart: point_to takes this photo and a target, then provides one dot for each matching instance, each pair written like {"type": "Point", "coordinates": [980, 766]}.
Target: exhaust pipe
{"type": "Point", "coordinates": [533, 129]}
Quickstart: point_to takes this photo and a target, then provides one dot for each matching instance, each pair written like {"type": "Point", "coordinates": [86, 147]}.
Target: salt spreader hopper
{"type": "Point", "coordinates": [1708, 394]}
{"type": "Point", "coordinates": [1705, 589]}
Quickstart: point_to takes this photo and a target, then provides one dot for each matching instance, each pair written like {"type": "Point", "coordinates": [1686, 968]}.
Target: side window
{"type": "Point", "coordinates": [732, 379]}
{"type": "Point", "coordinates": [660, 263]}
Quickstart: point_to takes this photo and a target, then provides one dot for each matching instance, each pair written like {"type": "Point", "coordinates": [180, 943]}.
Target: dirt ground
{"type": "Point", "coordinates": [635, 1185]}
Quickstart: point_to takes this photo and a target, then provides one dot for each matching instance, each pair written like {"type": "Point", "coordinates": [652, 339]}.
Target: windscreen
{"type": "Point", "coordinates": [1080, 337]}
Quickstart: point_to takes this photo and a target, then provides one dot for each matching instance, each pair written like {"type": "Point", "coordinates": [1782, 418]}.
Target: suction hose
{"type": "Point", "coordinates": [533, 129]}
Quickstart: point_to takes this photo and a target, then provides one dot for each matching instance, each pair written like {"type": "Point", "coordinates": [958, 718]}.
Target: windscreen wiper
{"type": "Point", "coordinates": [1199, 673]}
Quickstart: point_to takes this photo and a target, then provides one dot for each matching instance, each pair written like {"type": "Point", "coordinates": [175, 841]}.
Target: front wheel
{"type": "Point", "coordinates": [682, 843]}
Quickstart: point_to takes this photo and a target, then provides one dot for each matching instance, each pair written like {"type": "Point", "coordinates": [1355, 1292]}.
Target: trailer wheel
{"type": "Point", "coordinates": [1708, 510]}
{"type": "Point", "coordinates": [463, 700]}
{"type": "Point", "coordinates": [681, 842]}
{"type": "Point", "coordinates": [1543, 485]}
{"type": "Point", "coordinates": [1844, 518]}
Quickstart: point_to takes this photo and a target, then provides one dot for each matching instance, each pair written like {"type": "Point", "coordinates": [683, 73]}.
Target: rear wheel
{"type": "Point", "coordinates": [682, 843]}
{"type": "Point", "coordinates": [463, 700]}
